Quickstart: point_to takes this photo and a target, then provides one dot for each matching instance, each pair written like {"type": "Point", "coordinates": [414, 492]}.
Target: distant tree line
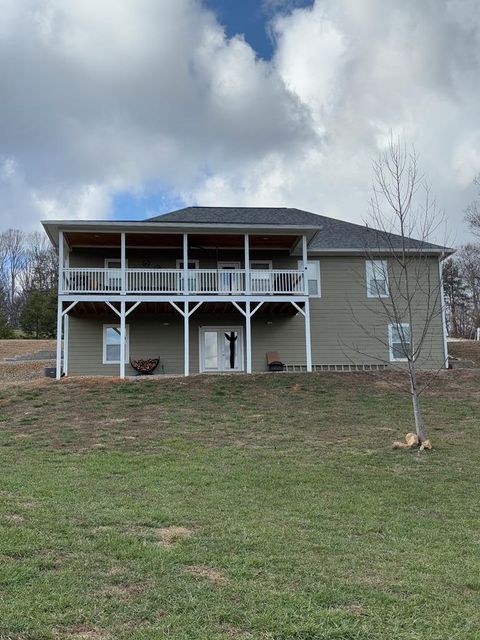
{"type": "Point", "coordinates": [461, 281]}
{"type": "Point", "coordinates": [28, 284]}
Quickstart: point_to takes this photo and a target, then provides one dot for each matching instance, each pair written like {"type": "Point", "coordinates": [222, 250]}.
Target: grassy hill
{"type": "Point", "coordinates": [265, 507]}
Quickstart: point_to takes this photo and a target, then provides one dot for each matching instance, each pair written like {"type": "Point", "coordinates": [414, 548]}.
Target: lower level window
{"type": "Point", "coordinates": [400, 342]}
{"type": "Point", "coordinates": [111, 344]}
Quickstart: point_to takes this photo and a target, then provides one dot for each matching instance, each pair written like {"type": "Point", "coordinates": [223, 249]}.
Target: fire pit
{"type": "Point", "coordinates": [145, 367]}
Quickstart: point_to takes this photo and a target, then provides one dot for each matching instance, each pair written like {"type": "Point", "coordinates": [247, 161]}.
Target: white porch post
{"type": "Point", "coordinates": [308, 337]}
{"type": "Point", "coordinates": [305, 263]}
{"type": "Point", "coordinates": [247, 263]}
{"type": "Point", "coordinates": [186, 340]}
{"type": "Point", "coordinates": [123, 254]}
{"type": "Point", "coordinates": [58, 371]}
{"type": "Point", "coordinates": [66, 323]}
{"type": "Point", "coordinates": [60, 261]}
{"type": "Point", "coordinates": [185, 263]}
{"type": "Point", "coordinates": [444, 315]}
{"type": "Point", "coordinates": [122, 339]}
{"type": "Point", "coordinates": [248, 335]}
{"type": "Point", "coordinates": [59, 305]}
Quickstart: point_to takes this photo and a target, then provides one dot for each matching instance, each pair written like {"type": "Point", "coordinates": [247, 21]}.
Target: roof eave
{"type": "Point", "coordinates": [52, 227]}
{"type": "Point", "coordinates": [443, 252]}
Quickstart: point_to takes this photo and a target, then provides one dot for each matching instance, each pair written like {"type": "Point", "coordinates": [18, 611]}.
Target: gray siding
{"type": "Point", "coordinates": [166, 258]}
{"type": "Point", "coordinates": [338, 322]}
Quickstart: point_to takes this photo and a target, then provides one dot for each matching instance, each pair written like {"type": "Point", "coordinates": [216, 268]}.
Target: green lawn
{"type": "Point", "coordinates": [263, 507]}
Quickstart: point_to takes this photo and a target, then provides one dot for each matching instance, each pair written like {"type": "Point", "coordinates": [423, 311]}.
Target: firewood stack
{"type": "Point", "coordinates": [145, 366]}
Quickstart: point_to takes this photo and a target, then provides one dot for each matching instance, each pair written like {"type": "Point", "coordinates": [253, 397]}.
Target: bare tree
{"type": "Point", "coordinates": [39, 271]}
{"type": "Point", "coordinates": [472, 212]}
{"type": "Point", "coordinates": [457, 300]}
{"type": "Point", "coordinates": [468, 261]}
{"type": "Point", "coordinates": [403, 277]}
{"type": "Point", "coordinates": [13, 255]}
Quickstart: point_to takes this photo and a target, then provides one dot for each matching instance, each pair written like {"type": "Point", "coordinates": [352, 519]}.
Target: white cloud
{"type": "Point", "coordinates": [104, 98]}
{"type": "Point", "coordinates": [365, 69]}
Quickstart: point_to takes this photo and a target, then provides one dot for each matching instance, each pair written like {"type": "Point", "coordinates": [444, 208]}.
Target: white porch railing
{"type": "Point", "coordinates": [171, 281]}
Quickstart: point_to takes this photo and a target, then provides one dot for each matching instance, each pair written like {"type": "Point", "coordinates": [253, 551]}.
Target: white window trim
{"type": "Point", "coordinates": [201, 350]}
{"type": "Point", "coordinates": [127, 340]}
{"type": "Point", "coordinates": [269, 262]}
{"type": "Point", "coordinates": [369, 267]}
{"type": "Point", "coordinates": [319, 276]}
{"type": "Point", "coordinates": [180, 260]}
{"type": "Point", "coordinates": [107, 260]}
{"type": "Point", "coordinates": [403, 325]}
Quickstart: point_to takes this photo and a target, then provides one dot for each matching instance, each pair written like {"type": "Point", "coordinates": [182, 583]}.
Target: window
{"type": "Point", "coordinates": [400, 342]}
{"type": "Point", "coordinates": [261, 266]}
{"type": "Point", "coordinates": [313, 277]}
{"type": "Point", "coordinates": [260, 277]}
{"type": "Point", "coordinates": [114, 277]}
{"type": "Point", "coordinates": [377, 279]}
{"type": "Point", "coordinates": [111, 344]}
{"type": "Point", "coordinates": [192, 278]}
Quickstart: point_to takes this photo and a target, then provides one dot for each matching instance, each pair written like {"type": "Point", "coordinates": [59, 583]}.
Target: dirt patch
{"type": "Point", "coordinates": [465, 350]}
{"type": "Point", "coordinates": [166, 536]}
{"type": "Point", "coordinates": [124, 592]}
{"type": "Point", "coordinates": [232, 632]}
{"type": "Point", "coordinates": [169, 535]}
{"type": "Point", "coordinates": [12, 348]}
{"type": "Point", "coordinates": [14, 373]}
{"type": "Point", "coordinates": [80, 632]}
{"type": "Point", "coordinates": [15, 518]}
{"type": "Point", "coordinates": [352, 609]}
{"type": "Point", "coordinates": [212, 575]}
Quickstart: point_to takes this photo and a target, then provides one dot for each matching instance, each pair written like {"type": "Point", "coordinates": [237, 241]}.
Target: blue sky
{"type": "Point", "coordinates": [251, 17]}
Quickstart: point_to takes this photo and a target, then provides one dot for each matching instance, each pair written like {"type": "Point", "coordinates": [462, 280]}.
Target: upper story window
{"type": "Point", "coordinates": [261, 279]}
{"type": "Point", "coordinates": [313, 277]}
{"type": "Point", "coordinates": [400, 342]}
{"type": "Point", "coordinates": [112, 342]}
{"type": "Point", "coordinates": [192, 265]}
{"type": "Point", "coordinates": [114, 277]}
{"type": "Point", "coordinates": [377, 279]}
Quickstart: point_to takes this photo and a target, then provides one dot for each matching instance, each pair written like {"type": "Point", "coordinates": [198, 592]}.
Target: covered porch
{"type": "Point", "coordinates": [188, 336]}
{"type": "Point", "coordinates": [180, 264]}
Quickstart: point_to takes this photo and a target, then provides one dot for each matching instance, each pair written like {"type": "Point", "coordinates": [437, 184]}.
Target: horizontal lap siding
{"type": "Point", "coordinates": [337, 337]}
{"type": "Point", "coordinates": [166, 258]}
{"type": "Point", "coordinates": [340, 316]}
{"type": "Point", "coordinates": [149, 338]}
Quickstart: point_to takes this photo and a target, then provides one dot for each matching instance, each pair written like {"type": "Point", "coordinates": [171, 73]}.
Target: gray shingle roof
{"type": "Point", "coordinates": [332, 234]}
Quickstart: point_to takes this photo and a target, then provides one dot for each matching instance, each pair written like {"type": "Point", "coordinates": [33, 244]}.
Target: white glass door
{"type": "Point", "coordinates": [192, 265]}
{"type": "Point", "coordinates": [221, 349]}
{"type": "Point", "coordinates": [261, 277]}
{"type": "Point", "coordinates": [230, 281]}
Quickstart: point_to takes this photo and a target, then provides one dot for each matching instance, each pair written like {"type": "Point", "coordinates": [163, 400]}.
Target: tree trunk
{"type": "Point", "coordinates": [417, 409]}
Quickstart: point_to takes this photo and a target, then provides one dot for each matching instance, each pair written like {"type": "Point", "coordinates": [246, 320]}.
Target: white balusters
{"type": "Point", "coordinates": [170, 281]}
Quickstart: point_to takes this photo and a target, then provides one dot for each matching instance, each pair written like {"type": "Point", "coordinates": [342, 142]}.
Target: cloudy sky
{"type": "Point", "coordinates": [128, 108]}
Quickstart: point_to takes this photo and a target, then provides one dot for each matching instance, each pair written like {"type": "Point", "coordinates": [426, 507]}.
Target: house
{"type": "Point", "coordinates": [213, 289]}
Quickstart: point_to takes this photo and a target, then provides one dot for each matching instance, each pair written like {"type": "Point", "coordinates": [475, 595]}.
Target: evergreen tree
{"type": "Point", "coordinates": [38, 314]}
{"type": "Point", "coordinates": [6, 331]}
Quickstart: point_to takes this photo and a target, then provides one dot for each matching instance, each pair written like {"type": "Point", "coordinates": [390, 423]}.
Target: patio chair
{"type": "Point", "coordinates": [274, 363]}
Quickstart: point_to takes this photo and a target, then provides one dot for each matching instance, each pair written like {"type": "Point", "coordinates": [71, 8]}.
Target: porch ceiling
{"type": "Point", "coordinates": [175, 240]}
{"type": "Point", "coordinates": [97, 309]}
{"type": "Point", "coordinates": [89, 239]}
